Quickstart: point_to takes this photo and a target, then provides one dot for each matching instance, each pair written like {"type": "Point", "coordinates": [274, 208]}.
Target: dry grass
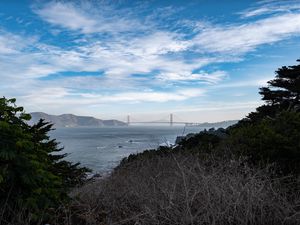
{"type": "Point", "coordinates": [178, 189]}
{"type": "Point", "coordinates": [21, 216]}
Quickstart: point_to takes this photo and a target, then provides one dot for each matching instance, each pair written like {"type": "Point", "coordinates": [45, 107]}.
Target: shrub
{"type": "Point", "coordinates": [271, 140]}
{"type": "Point", "coordinates": [183, 189]}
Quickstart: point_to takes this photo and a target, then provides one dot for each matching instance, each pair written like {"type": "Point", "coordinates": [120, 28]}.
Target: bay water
{"type": "Point", "coordinates": [102, 148]}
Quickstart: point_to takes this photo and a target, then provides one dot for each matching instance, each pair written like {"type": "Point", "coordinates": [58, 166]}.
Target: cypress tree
{"type": "Point", "coordinates": [282, 93]}
{"type": "Point", "coordinates": [33, 173]}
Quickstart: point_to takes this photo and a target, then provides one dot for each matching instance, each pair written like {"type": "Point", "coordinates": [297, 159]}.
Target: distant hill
{"type": "Point", "coordinates": [70, 120]}
{"type": "Point", "coordinates": [222, 124]}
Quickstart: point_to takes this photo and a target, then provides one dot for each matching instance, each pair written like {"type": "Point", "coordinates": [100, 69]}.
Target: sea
{"type": "Point", "coordinates": [102, 148]}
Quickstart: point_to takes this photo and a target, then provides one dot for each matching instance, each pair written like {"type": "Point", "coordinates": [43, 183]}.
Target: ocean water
{"type": "Point", "coordinates": [101, 149]}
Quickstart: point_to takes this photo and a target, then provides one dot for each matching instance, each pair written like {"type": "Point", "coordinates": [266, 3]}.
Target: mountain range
{"type": "Point", "coordinates": [70, 120]}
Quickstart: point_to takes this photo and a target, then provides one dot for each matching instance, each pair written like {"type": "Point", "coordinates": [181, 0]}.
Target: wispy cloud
{"type": "Point", "coordinates": [271, 7]}
{"type": "Point", "coordinates": [62, 96]}
{"type": "Point", "coordinates": [211, 78]}
{"type": "Point", "coordinates": [13, 44]}
{"type": "Point", "coordinates": [245, 83]}
{"type": "Point", "coordinates": [84, 19]}
{"type": "Point", "coordinates": [242, 38]}
{"type": "Point", "coordinates": [161, 50]}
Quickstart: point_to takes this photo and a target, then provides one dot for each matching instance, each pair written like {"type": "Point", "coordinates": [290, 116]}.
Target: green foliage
{"type": "Point", "coordinates": [32, 172]}
{"type": "Point", "coordinates": [283, 93]}
{"type": "Point", "coordinates": [275, 140]}
{"type": "Point", "coordinates": [204, 142]}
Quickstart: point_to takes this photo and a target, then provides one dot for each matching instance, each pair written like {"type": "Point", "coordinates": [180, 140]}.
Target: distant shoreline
{"type": "Point", "coordinates": [71, 120]}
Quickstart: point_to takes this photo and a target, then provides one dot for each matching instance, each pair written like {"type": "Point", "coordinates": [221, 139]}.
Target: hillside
{"type": "Point", "coordinates": [70, 120]}
{"type": "Point", "coordinates": [223, 124]}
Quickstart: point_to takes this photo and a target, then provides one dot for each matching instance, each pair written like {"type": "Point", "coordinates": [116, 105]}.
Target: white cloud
{"type": "Point", "coordinates": [245, 83]}
{"type": "Point", "coordinates": [243, 38]}
{"type": "Point", "coordinates": [211, 78]}
{"type": "Point", "coordinates": [270, 8]}
{"type": "Point", "coordinates": [81, 18]}
{"type": "Point", "coordinates": [67, 16]}
{"type": "Point", "coordinates": [12, 44]}
{"type": "Point", "coordinates": [158, 43]}
{"type": "Point", "coordinates": [140, 56]}
{"type": "Point", "coordinates": [257, 12]}
{"type": "Point", "coordinates": [153, 96]}
{"type": "Point", "coordinates": [156, 50]}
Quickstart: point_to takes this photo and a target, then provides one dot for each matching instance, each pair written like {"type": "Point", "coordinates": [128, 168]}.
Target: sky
{"type": "Point", "coordinates": [200, 60]}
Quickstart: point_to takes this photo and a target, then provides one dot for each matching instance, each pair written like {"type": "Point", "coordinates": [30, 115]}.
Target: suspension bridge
{"type": "Point", "coordinates": [172, 120]}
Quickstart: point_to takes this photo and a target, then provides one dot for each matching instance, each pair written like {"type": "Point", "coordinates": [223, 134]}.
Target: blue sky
{"type": "Point", "coordinates": [200, 60]}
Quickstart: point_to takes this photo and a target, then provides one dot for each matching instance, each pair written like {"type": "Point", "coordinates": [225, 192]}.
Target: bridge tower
{"type": "Point", "coordinates": [128, 120]}
{"type": "Point", "coordinates": [171, 119]}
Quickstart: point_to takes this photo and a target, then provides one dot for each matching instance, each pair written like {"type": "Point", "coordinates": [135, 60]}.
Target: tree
{"type": "Point", "coordinates": [272, 132]}
{"type": "Point", "coordinates": [283, 93]}
{"type": "Point", "coordinates": [33, 175]}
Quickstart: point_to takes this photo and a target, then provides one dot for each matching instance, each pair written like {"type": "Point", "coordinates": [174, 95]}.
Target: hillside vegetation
{"type": "Point", "coordinates": [246, 174]}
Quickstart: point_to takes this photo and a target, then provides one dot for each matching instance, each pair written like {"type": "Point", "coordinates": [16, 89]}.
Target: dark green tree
{"type": "Point", "coordinates": [272, 132]}
{"type": "Point", "coordinates": [282, 93]}
{"type": "Point", "coordinates": [33, 173]}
